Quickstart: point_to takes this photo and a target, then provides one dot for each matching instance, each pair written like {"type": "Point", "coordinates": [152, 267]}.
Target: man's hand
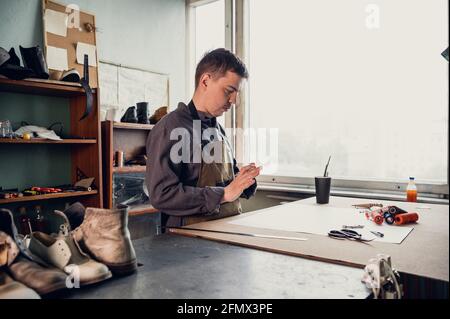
{"type": "Point", "coordinates": [243, 180]}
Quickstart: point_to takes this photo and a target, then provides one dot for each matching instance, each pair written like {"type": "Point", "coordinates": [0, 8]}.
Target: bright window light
{"type": "Point", "coordinates": [364, 83]}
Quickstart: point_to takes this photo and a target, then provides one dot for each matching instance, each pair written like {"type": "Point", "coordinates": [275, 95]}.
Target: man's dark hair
{"type": "Point", "coordinates": [218, 62]}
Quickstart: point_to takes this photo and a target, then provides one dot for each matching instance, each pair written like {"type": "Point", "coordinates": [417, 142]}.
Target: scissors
{"type": "Point", "coordinates": [347, 234]}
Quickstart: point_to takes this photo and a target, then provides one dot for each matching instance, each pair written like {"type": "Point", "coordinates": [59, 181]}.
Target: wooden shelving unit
{"type": "Point", "coordinates": [86, 157]}
{"type": "Point", "coordinates": [47, 197]}
{"type": "Point", "coordinates": [45, 141]}
{"type": "Point", "coordinates": [42, 87]}
{"type": "Point", "coordinates": [129, 138]}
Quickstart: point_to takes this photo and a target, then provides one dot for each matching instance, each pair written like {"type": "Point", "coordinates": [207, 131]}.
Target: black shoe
{"type": "Point", "coordinates": [75, 214]}
{"type": "Point", "coordinates": [130, 115]}
{"type": "Point", "coordinates": [71, 75]}
{"type": "Point", "coordinates": [13, 58]}
{"type": "Point", "coordinates": [33, 58]}
{"type": "Point", "coordinates": [11, 67]}
{"type": "Point", "coordinates": [142, 113]}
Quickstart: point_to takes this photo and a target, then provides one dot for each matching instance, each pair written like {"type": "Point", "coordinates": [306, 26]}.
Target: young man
{"type": "Point", "coordinates": [195, 178]}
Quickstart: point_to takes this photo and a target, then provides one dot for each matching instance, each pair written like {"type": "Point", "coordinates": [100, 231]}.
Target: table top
{"type": "Point", "coordinates": [179, 267]}
{"type": "Point", "coordinates": [424, 252]}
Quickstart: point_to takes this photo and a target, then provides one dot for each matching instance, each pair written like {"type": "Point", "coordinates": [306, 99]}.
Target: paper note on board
{"type": "Point", "coordinates": [90, 50]}
{"type": "Point", "coordinates": [56, 22]}
{"type": "Point", "coordinates": [57, 58]}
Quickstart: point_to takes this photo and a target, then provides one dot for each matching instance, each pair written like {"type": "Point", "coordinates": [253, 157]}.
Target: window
{"type": "Point", "coordinates": [364, 83]}
{"type": "Point", "coordinates": [209, 28]}
{"type": "Point", "coordinates": [206, 33]}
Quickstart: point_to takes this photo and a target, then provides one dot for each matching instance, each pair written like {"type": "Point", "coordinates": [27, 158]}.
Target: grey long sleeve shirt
{"type": "Point", "coordinates": [172, 186]}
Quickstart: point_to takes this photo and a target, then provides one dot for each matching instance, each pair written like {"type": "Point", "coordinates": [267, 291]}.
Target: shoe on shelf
{"type": "Point", "coordinates": [33, 58]}
{"type": "Point", "coordinates": [142, 112]}
{"type": "Point", "coordinates": [158, 115]}
{"type": "Point", "coordinates": [130, 115]}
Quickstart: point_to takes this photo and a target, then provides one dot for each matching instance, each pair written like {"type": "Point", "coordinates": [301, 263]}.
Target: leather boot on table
{"type": "Point", "coordinates": [10, 289]}
{"type": "Point", "coordinates": [8, 226]}
{"type": "Point", "coordinates": [43, 280]}
{"type": "Point", "coordinates": [105, 236]}
{"type": "Point", "coordinates": [75, 214]}
{"type": "Point", "coordinates": [8, 249]}
{"type": "Point", "coordinates": [31, 272]}
{"type": "Point", "coordinates": [64, 253]}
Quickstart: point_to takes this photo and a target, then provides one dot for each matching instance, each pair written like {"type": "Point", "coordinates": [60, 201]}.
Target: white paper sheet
{"type": "Point", "coordinates": [57, 58]}
{"type": "Point", "coordinates": [315, 219]}
{"type": "Point", "coordinates": [56, 22]}
{"type": "Point", "coordinates": [122, 87]}
{"type": "Point", "coordinates": [109, 84]}
{"type": "Point", "coordinates": [90, 50]}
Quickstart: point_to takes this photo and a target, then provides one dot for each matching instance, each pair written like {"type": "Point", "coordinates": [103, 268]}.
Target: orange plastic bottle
{"type": "Point", "coordinates": [411, 191]}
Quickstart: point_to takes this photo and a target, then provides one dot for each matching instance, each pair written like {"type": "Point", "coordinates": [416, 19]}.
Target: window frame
{"type": "Point", "coordinates": [191, 5]}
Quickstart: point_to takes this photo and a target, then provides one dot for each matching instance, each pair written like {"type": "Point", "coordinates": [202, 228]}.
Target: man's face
{"type": "Point", "coordinates": [221, 93]}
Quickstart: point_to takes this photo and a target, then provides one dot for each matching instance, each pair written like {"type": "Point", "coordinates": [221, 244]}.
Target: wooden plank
{"type": "Point", "coordinates": [47, 197]}
{"type": "Point", "coordinates": [142, 210]}
{"type": "Point", "coordinates": [133, 126]}
{"type": "Point", "coordinates": [425, 252]}
{"type": "Point", "coordinates": [107, 146]}
{"type": "Point", "coordinates": [45, 141]}
{"type": "Point", "coordinates": [41, 87]}
{"type": "Point", "coordinates": [87, 159]}
{"type": "Point", "coordinates": [130, 169]}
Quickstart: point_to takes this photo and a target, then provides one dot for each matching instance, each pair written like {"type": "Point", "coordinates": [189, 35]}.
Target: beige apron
{"type": "Point", "coordinates": [214, 174]}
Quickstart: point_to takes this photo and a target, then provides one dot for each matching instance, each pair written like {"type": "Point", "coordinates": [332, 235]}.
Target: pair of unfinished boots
{"type": "Point", "coordinates": [46, 263]}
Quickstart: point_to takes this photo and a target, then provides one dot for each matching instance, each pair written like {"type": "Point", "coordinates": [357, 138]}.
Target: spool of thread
{"type": "Point", "coordinates": [389, 218]}
{"type": "Point", "coordinates": [375, 216]}
{"type": "Point", "coordinates": [120, 158]}
{"type": "Point", "coordinates": [407, 218]}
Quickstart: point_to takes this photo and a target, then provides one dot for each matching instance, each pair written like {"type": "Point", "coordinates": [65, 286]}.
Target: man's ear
{"type": "Point", "coordinates": [205, 79]}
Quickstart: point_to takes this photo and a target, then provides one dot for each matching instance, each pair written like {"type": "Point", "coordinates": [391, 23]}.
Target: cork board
{"type": "Point", "coordinates": [69, 42]}
{"type": "Point", "coordinates": [425, 252]}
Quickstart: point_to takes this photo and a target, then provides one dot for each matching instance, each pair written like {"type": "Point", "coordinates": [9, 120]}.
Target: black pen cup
{"type": "Point", "coordinates": [323, 185]}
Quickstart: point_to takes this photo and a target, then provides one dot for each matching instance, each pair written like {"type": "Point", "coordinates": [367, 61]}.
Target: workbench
{"type": "Point", "coordinates": [422, 258]}
{"type": "Point", "coordinates": [205, 265]}
{"type": "Point", "coordinates": [178, 267]}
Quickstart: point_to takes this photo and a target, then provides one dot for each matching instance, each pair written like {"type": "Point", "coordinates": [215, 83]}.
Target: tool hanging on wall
{"type": "Point", "coordinates": [85, 84]}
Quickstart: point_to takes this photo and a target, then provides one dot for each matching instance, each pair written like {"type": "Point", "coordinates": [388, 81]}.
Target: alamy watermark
{"type": "Point", "coordinates": [211, 145]}
{"type": "Point", "coordinates": [73, 276]}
